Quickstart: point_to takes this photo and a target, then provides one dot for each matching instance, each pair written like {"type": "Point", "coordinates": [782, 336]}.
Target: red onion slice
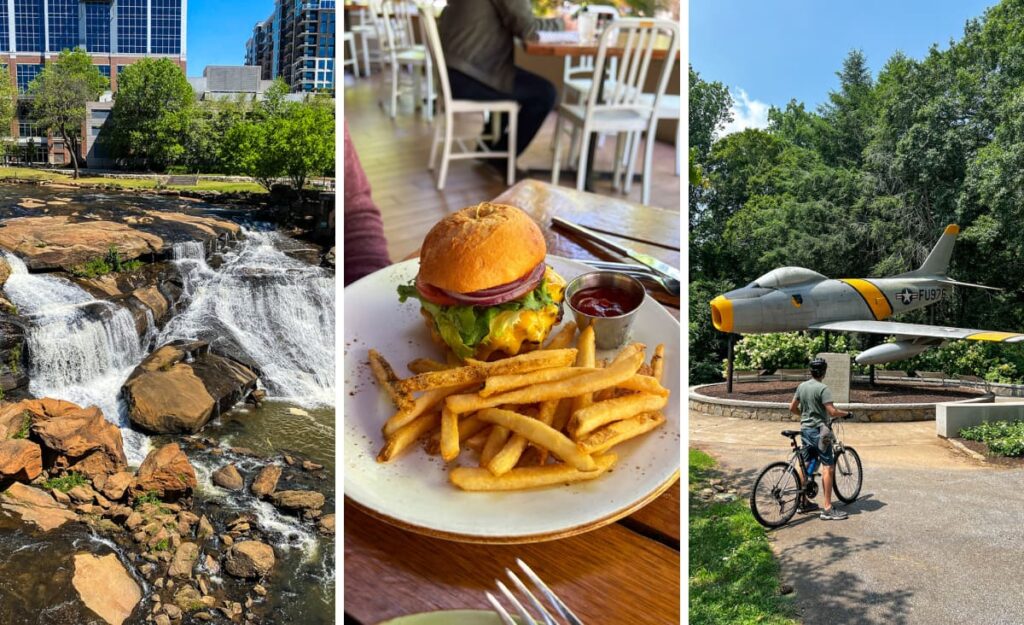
{"type": "Point", "coordinates": [502, 293]}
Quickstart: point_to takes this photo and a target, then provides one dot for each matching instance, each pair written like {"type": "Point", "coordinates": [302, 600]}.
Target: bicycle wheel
{"type": "Point", "coordinates": [849, 475]}
{"type": "Point", "coordinates": [776, 495]}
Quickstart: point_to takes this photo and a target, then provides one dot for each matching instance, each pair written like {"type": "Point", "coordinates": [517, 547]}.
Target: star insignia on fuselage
{"type": "Point", "coordinates": [906, 296]}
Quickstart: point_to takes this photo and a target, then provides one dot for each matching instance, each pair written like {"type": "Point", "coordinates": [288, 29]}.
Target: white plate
{"type": "Point", "coordinates": [413, 491]}
{"type": "Point", "coordinates": [450, 617]}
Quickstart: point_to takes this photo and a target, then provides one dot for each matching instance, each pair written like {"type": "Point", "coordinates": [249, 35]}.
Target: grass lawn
{"type": "Point", "coordinates": [734, 578]}
{"type": "Point", "coordinates": [224, 186]}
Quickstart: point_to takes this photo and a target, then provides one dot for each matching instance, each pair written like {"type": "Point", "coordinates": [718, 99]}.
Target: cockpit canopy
{"type": "Point", "coordinates": [786, 276]}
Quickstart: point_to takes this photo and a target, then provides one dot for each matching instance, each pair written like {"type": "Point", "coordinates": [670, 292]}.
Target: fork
{"type": "Point", "coordinates": [670, 285]}
{"type": "Point", "coordinates": [547, 619]}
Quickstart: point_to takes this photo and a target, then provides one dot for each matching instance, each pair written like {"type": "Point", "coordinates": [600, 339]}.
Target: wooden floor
{"type": "Point", "coordinates": [394, 154]}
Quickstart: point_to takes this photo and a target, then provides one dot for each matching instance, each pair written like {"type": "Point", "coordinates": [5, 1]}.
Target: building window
{"type": "Point", "coordinates": [97, 27]}
{"type": "Point", "coordinates": [63, 16]}
{"type": "Point", "coordinates": [28, 128]}
{"type": "Point", "coordinates": [25, 73]}
{"type": "Point", "coordinates": [131, 26]}
{"type": "Point", "coordinates": [120, 69]}
{"type": "Point", "coordinates": [166, 27]}
{"type": "Point", "coordinates": [5, 34]}
{"type": "Point", "coordinates": [105, 70]}
{"type": "Point", "coordinates": [28, 25]}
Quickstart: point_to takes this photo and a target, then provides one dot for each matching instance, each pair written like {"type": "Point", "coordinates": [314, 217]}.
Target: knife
{"type": "Point", "coordinates": [663, 268]}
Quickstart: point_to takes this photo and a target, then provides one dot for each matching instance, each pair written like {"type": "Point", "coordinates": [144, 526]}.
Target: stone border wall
{"type": "Point", "coordinates": [778, 411]}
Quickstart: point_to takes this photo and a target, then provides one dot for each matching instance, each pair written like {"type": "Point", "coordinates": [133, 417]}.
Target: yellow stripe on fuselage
{"type": "Point", "coordinates": [874, 297]}
{"type": "Point", "coordinates": [993, 336]}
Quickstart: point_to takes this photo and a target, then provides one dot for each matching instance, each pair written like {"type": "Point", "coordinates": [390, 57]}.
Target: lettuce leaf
{"type": "Point", "coordinates": [465, 327]}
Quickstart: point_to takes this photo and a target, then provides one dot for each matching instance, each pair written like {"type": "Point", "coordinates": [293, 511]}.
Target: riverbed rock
{"type": "Point", "coordinates": [166, 471]}
{"type": "Point", "coordinates": [297, 500]}
{"type": "Point", "coordinates": [249, 559]}
{"type": "Point", "coordinates": [35, 506]}
{"type": "Point", "coordinates": [105, 587]}
{"type": "Point", "coordinates": [62, 242]}
{"type": "Point", "coordinates": [205, 529]}
{"type": "Point", "coordinates": [116, 485]}
{"type": "Point", "coordinates": [74, 438]}
{"type": "Point", "coordinates": [326, 524]}
{"type": "Point", "coordinates": [266, 480]}
{"type": "Point", "coordinates": [20, 460]}
{"type": "Point", "coordinates": [181, 386]}
{"type": "Point", "coordinates": [188, 598]}
{"type": "Point", "coordinates": [184, 559]}
{"type": "Point", "coordinates": [228, 477]}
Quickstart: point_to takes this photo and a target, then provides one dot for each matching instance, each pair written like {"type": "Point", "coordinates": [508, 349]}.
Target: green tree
{"type": "Point", "coordinates": [153, 114]}
{"type": "Point", "coordinates": [59, 95]}
{"type": "Point", "coordinates": [8, 105]}
{"type": "Point", "coordinates": [254, 148]}
{"type": "Point", "coordinates": [307, 140]}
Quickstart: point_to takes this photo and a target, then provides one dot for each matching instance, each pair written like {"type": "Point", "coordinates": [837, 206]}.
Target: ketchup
{"type": "Point", "coordinates": [604, 301]}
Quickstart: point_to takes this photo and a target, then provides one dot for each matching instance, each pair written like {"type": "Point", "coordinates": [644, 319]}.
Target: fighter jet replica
{"type": "Point", "coordinates": [793, 298]}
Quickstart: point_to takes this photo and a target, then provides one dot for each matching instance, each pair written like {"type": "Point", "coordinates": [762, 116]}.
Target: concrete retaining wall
{"type": "Point", "coordinates": [950, 418]}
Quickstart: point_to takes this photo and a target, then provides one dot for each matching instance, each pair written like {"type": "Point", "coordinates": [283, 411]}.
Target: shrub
{"type": "Point", "coordinates": [787, 350]}
{"type": "Point", "coordinates": [150, 496]}
{"type": "Point", "coordinates": [66, 482]}
{"type": "Point", "coordinates": [26, 424]}
{"type": "Point", "coordinates": [1004, 438]}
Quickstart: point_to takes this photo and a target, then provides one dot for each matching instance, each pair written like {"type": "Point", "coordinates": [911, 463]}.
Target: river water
{"type": "Point", "coordinates": [259, 305]}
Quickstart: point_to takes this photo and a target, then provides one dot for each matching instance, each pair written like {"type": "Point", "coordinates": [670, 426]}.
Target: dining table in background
{"type": "Point", "coordinates": [625, 572]}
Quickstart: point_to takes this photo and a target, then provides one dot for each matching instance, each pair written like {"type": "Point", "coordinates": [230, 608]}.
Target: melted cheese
{"type": "Point", "coordinates": [528, 325]}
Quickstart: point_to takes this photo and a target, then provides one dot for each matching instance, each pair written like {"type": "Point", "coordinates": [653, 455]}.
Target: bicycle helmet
{"type": "Point", "coordinates": [818, 367]}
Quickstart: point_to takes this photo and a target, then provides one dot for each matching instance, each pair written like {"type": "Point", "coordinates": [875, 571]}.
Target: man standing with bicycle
{"type": "Point", "coordinates": [813, 402]}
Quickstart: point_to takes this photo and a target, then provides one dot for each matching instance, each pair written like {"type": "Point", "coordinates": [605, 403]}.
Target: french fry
{"type": "Point", "coordinates": [477, 371]}
{"type": "Point", "coordinates": [564, 337]}
{"type": "Point", "coordinates": [423, 365]}
{"type": "Point", "coordinates": [432, 380]}
{"type": "Point", "coordinates": [421, 405]}
{"type": "Point", "coordinates": [478, 440]}
{"type": "Point", "coordinates": [605, 438]}
{"type": "Point", "coordinates": [503, 383]}
{"type": "Point", "coordinates": [540, 434]}
{"type": "Point", "coordinates": [616, 373]}
{"type": "Point", "coordinates": [495, 442]}
{"type": "Point", "coordinates": [406, 436]}
{"type": "Point", "coordinates": [585, 357]}
{"type": "Point", "coordinates": [506, 459]}
{"type": "Point", "coordinates": [658, 362]}
{"type": "Point", "coordinates": [479, 479]}
{"type": "Point", "coordinates": [628, 352]}
{"type": "Point", "coordinates": [388, 380]}
{"type": "Point", "coordinates": [468, 426]}
{"type": "Point", "coordinates": [532, 457]}
{"type": "Point", "coordinates": [644, 384]}
{"type": "Point", "coordinates": [602, 413]}
{"type": "Point", "coordinates": [449, 435]}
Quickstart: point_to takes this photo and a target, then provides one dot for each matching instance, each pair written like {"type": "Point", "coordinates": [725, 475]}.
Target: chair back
{"type": "Point", "coordinates": [386, 31]}
{"type": "Point", "coordinates": [436, 53]}
{"type": "Point", "coordinates": [583, 65]}
{"type": "Point", "coordinates": [638, 38]}
{"type": "Point", "coordinates": [401, 23]}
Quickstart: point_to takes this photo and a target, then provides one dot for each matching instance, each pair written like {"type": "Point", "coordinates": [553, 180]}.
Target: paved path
{"type": "Point", "coordinates": [935, 538]}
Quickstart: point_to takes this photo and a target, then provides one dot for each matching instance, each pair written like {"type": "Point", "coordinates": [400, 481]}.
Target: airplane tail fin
{"type": "Point", "coordinates": [937, 262]}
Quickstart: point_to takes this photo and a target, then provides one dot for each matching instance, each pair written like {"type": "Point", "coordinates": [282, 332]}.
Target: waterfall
{"type": "Point", "coordinates": [80, 349]}
{"type": "Point", "coordinates": [190, 257]}
{"type": "Point", "coordinates": [268, 309]}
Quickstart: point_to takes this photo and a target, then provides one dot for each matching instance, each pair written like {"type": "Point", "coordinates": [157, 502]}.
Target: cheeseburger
{"type": "Point", "coordinates": [483, 284]}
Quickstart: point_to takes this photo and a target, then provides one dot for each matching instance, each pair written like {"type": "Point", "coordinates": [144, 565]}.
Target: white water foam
{"type": "Point", "coordinates": [80, 349]}
{"type": "Point", "coordinates": [275, 311]}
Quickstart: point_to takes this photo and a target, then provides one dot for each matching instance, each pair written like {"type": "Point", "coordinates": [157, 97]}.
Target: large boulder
{"type": "Point", "coordinates": [35, 506]}
{"type": "Point", "coordinates": [228, 477]}
{"type": "Point", "coordinates": [249, 559]}
{"type": "Point", "coordinates": [73, 438]}
{"type": "Point", "coordinates": [62, 242]}
{"type": "Point", "coordinates": [184, 560]}
{"type": "Point", "coordinates": [182, 386]}
{"type": "Point", "coordinates": [298, 500]}
{"type": "Point", "coordinates": [20, 460]}
{"type": "Point", "coordinates": [266, 480]}
{"type": "Point", "coordinates": [105, 587]}
{"type": "Point", "coordinates": [167, 472]}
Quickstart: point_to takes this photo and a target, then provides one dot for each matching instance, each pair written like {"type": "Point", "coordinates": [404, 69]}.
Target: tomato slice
{"type": "Point", "coordinates": [434, 295]}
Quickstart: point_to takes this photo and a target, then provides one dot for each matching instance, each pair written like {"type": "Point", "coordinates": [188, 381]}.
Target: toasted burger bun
{"type": "Point", "coordinates": [480, 247]}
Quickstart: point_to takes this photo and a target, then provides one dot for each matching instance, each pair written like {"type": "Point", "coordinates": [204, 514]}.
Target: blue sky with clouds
{"type": "Point", "coordinates": [770, 51]}
{"type": "Point", "coordinates": [217, 31]}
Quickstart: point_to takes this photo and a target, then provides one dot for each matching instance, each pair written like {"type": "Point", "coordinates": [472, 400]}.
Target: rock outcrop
{"type": "Point", "coordinates": [20, 460]}
{"type": "Point", "coordinates": [62, 242]}
{"type": "Point", "coordinates": [105, 587]}
{"type": "Point", "coordinates": [35, 506]}
{"type": "Point", "coordinates": [249, 559]}
{"type": "Point", "coordinates": [167, 472]}
{"type": "Point", "coordinates": [182, 386]}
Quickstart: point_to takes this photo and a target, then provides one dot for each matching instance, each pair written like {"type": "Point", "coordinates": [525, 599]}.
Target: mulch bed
{"type": "Point", "coordinates": [991, 458]}
{"type": "Point", "coordinates": [862, 393]}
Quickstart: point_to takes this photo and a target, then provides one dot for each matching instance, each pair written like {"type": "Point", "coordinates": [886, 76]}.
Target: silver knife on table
{"type": "Point", "coordinates": [663, 268]}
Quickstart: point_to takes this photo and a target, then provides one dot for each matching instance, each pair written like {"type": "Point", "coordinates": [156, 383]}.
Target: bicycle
{"type": "Point", "coordinates": [777, 490]}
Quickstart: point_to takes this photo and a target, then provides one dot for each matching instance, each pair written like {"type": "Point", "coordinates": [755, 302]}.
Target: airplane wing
{"type": "Point", "coordinates": [917, 329]}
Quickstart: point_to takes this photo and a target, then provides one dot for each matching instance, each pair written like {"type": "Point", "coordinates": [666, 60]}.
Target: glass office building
{"type": "Point", "coordinates": [296, 43]}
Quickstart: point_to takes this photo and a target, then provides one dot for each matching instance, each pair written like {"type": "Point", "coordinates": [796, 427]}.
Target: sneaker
{"type": "Point", "coordinates": [807, 506]}
{"type": "Point", "coordinates": [833, 515]}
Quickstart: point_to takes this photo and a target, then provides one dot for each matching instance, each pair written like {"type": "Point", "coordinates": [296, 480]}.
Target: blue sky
{"type": "Point", "coordinates": [770, 51]}
{"type": "Point", "coordinates": [217, 31]}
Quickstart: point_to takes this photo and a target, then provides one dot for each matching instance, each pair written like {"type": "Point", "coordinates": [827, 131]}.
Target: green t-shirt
{"type": "Point", "coordinates": [813, 395]}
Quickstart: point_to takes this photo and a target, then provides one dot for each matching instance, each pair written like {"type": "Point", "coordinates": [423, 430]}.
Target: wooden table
{"type": "Point", "coordinates": [625, 572]}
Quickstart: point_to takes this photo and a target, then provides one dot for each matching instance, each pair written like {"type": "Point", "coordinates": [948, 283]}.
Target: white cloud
{"type": "Point", "coordinates": [746, 113]}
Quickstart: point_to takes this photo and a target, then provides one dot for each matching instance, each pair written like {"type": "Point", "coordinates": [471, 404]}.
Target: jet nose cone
{"type": "Point", "coordinates": [721, 314]}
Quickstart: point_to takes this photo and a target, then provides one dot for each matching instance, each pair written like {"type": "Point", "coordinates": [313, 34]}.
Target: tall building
{"type": "Point", "coordinates": [115, 33]}
{"type": "Point", "coordinates": [296, 43]}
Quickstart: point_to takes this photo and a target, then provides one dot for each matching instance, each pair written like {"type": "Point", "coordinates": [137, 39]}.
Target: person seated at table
{"type": "Point", "coordinates": [478, 41]}
{"type": "Point", "coordinates": [366, 249]}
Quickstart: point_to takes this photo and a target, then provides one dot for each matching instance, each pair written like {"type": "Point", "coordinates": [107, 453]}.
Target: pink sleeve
{"type": "Point", "coordinates": [366, 249]}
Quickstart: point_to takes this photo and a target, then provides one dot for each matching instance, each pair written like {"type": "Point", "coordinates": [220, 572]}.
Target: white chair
{"type": "Point", "coordinates": [397, 56]}
{"type": "Point", "coordinates": [444, 123]}
{"type": "Point", "coordinates": [619, 107]}
{"type": "Point", "coordinates": [351, 57]}
{"type": "Point", "coordinates": [364, 29]}
{"type": "Point", "coordinates": [577, 72]}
